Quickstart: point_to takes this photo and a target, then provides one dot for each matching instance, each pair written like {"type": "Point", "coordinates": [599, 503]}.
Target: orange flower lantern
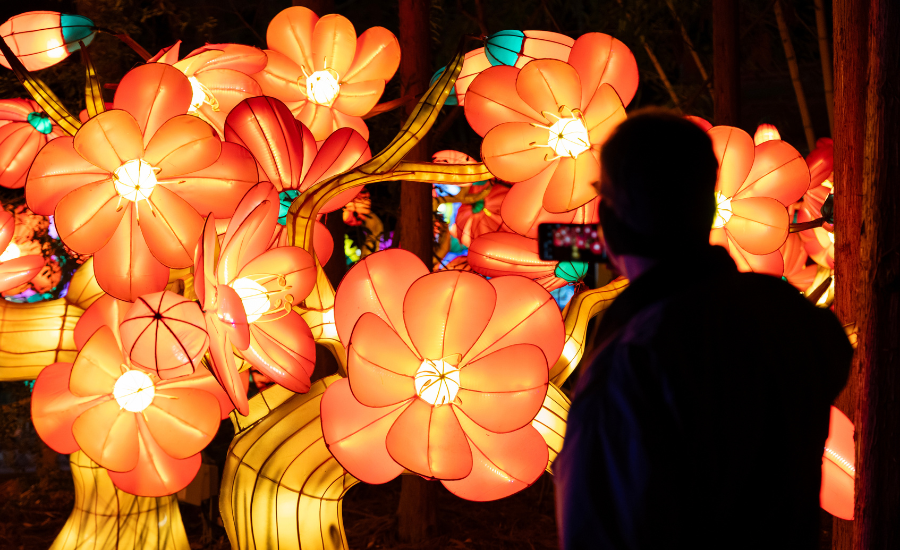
{"type": "Point", "coordinates": [504, 253]}
{"type": "Point", "coordinates": [544, 124]}
{"type": "Point", "coordinates": [24, 129]}
{"type": "Point", "coordinates": [219, 77]}
{"type": "Point", "coordinates": [474, 63]}
{"type": "Point", "coordinates": [446, 371]}
{"type": "Point", "coordinates": [247, 294]}
{"type": "Point", "coordinates": [755, 185]}
{"type": "Point", "coordinates": [819, 241]}
{"type": "Point", "coordinates": [134, 183]}
{"type": "Point", "coordinates": [327, 76]}
{"type": "Point", "coordinates": [356, 211]}
{"type": "Point", "coordinates": [147, 432]}
{"type": "Point", "coordinates": [838, 467]}
{"type": "Point", "coordinates": [15, 269]}
{"type": "Point", "coordinates": [474, 220]}
{"type": "Point", "coordinates": [41, 39]}
{"type": "Point", "coordinates": [796, 271]}
{"type": "Point", "coordinates": [516, 48]}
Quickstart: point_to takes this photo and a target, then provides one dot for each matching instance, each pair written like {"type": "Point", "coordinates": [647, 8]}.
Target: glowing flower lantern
{"type": "Point", "coordinates": [147, 432]}
{"type": "Point", "coordinates": [327, 76]}
{"type": "Point", "coordinates": [483, 216]}
{"type": "Point", "coordinates": [134, 183]}
{"type": "Point", "coordinates": [247, 293]}
{"type": "Point", "coordinates": [766, 132]}
{"type": "Point", "coordinates": [475, 62]}
{"type": "Point", "coordinates": [356, 211]}
{"type": "Point", "coordinates": [446, 371]}
{"type": "Point", "coordinates": [165, 333]}
{"type": "Point", "coordinates": [219, 77]}
{"type": "Point", "coordinates": [819, 241]}
{"type": "Point", "coordinates": [24, 129]}
{"type": "Point", "coordinates": [516, 48]}
{"type": "Point", "coordinates": [41, 39]}
{"type": "Point", "coordinates": [755, 186]}
{"type": "Point", "coordinates": [838, 467]}
{"type": "Point", "coordinates": [543, 124]}
{"type": "Point", "coordinates": [15, 269]}
{"type": "Point", "coordinates": [796, 271]}
{"type": "Point", "coordinates": [503, 253]}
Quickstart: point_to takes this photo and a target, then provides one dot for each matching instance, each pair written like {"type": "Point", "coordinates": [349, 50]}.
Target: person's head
{"type": "Point", "coordinates": [657, 185]}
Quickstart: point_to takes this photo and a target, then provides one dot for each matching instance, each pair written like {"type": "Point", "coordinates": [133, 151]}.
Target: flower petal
{"type": "Point", "coordinates": [380, 365]}
{"type": "Point", "coordinates": [358, 98]}
{"type": "Point", "coordinates": [514, 151]}
{"type": "Point", "coordinates": [19, 271]}
{"type": "Point", "coordinates": [734, 150]}
{"type": "Point", "coordinates": [318, 118]}
{"type": "Point", "coordinates": [252, 201]}
{"type": "Point", "coordinates": [778, 172]}
{"type": "Point", "coordinates": [153, 94]}
{"type": "Point", "coordinates": [58, 170]}
{"type": "Point", "coordinates": [504, 464]}
{"type": "Point", "coordinates": [603, 115]}
{"type": "Point", "coordinates": [333, 43]}
{"type": "Point", "coordinates": [87, 217]}
{"type": "Point", "coordinates": [291, 33]}
{"type": "Point", "coordinates": [108, 434]}
{"type": "Point", "coordinates": [769, 264]}
{"type": "Point", "coordinates": [492, 99]}
{"type": "Point", "coordinates": [548, 84]}
{"type": "Point", "coordinates": [522, 210]}
{"type": "Point", "coordinates": [218, 188]}
{"type": "Point", "coordinates": [758, 224]}
{"type": "Point", "coordinates": [356, 435]}
{"type": "Point", "coordinates": [502, 253]}
{"type": "Point", "coordinates": [378, 284]}
{"type": "Point", "coordinates": [602, 59]}
{"type": "Point", "coordinates": [295, 265]}
{"type": "Point", "coordinates": [343, 150]}
{"type": "Point", "coordinates": [284, 350]}
{"type": "Point", "coordinates": [105, 311]}
{"type": "Point", "coordinates": [237, 57]}
{"type": "Point", "coordinates": [109, 140]}
{"type": "Point", "coordinates": [229, 87]}
{"type": "Point", "coordinates": [183, 144]}
{"type": "Point", "coordinates": [342, 120]}
{"type": "Point", "coordinates": [97, 366]}
{"type": "Point", "coordinates": [571, 184]}
{"type": "Point", "coordinates": [19, 144]}
{"type": "Point", "coordinates": [243, 245]}
{"type": "Point", "coordinates": [156, 473]}
{"type": "Point", "coordinates": [503, 391]}
{"type": "Point", "coordinates": [7, 228]}
{"type": "Point", "coordinates": [171, 228]}
{"type": "Point", "coordinates": [377, 56]}
{"type": "Point", "coordinates": [430, 442]}
{"type": "Point", "coordinates": [182, 421]}
{"type": "Point", "coordinates": [232, 317]}
{"type": "Point", "coordinates": [204, 265]}
{"type": "Point", "coordinates": [54, 408]}
{"type": "Point", "coordinates": [280, 78]}
{"type": "Point", "coordinates": [222, 363]}
{"type": "Point", "coordinates": [125, 267]}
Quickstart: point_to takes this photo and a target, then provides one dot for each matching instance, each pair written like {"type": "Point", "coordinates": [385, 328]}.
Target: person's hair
{"type": "Point", "coordinates": [659, 185]}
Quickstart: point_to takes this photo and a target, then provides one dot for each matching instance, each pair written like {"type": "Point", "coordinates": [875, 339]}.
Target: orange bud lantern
{"type": "Point", "coordinates": [446, 372]}
{"type": "Point", "coordinates": [838, 467]}
{"type": "Point", "coordinates": [41, 39]}
{"type": "Point", "coordinates": [504, 253]}
{"type": "Point", "coordinates": [24, 129]}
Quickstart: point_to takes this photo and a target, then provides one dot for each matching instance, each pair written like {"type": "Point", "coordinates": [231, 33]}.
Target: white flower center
{"type": "Point", "coordinates": [254, 297]}
{"type": "Point", "coordinates": [723, 211]}
{"type": "Point", "coordinates": [322, 87]}
{"type": "Point", "coordinates": [135, 180]}
{"type": "Point", "coordinates": [437, 382]}
{"type": "Point", "coordinates": [134, 391]}
{"type": "Point", "coordinates": [200, 94]}
{"type": "Point", "coordinates": [568, 137]}
{"type": "Point", "coordinates": [11, 253]}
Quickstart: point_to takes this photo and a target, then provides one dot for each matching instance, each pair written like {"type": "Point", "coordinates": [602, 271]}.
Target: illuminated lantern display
{"type": "Point", "coordinates": [147, 432]}
{"type": "Point", "coordinates": [475, 62]}
{"type": "Point", "coordinates": [247, 294]}
{"type": "Point", "coordinates": [819, 241]}
{"type": "Point", "coordinates": [444, 376]}
{"type": "Point", "coordinates": [516, 48]}
{"type": "Point", "coordinates": [838, 467]}
{"type": "Point", "coordinates": [15, 268]}
{"type": "Point", "coordinates": [138, 181]}
{"type": "Point", "coordinates": [502, 253]}
{"type": "Point", "coordinates": [29, 238]}
{"type": "Point", "coordinates": [41, 39]}
{"type": "Point", "coordinates": [796, 271]}
{"type": "Point", "coordinates": [24, 129]}
{"type": "Point", "coordinates": [544, 124]}
{"type": "Point", "coordinates": [358, 210]}
{"type": "Point", "coordinates": [327, 76]}
{"type": "Point", "coordinates": [164, 333]}
{"type": "Point", "coordinates": [764, 133]}
{"type": "Point", "coordinates": [219, 77]}
{"type": "Point", "coordinates": [483, 216]}
{"type": "Point", "coordinates": [755, 185]}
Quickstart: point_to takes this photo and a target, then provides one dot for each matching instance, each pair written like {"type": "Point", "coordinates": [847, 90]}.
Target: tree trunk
{"type": "Point", "coordinates": [877, 510]}
{"type": "Point", "coordinates": [825, 56]}
{"type": "Point", "coordinates": [416, 512]}
{"type": "Point", "coordinates": [794, 69]}
{"type": "Point", "coordinates": [850, 65]}
{"type": "Point", "coordinates": [726, 62]}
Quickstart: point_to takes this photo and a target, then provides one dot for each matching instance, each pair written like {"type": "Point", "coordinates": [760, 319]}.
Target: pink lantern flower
{"type": "Point", "coordinates": [796, 271]}
{"type": "Point", "coordinates": [755, 186]}
{"type": "Point", "coordinates": [505, 253]}
{"type": "Point", "coordinates": [16, 269]}
{"type": "Point", "coordinates": [327, 77]}
{"type": "Point", "coordinates": [819, 242]}
{"type": "Point", "coordinates": [147, 432]}
{"type": "Point", "coordinates": [543, 124]}
{"type": "Point", "coordinates": [24, 129]}
{"type": "Point", "coordinates": [446, 371]}
{"type": "Point", "coordinates": [134, 183]}
{"type": "Point", "coordinates": [247, 293]}
{"type": "Point", "coordinates": [219, 77]}
{"type": "Point", "coordinates": [476, 219]}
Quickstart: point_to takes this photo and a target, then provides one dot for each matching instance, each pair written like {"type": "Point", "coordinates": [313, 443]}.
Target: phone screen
{"type": "Point", "coordinates": [571, 242]}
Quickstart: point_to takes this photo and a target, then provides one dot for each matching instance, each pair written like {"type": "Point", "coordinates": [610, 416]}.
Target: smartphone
{"type": "Point", "coordinates": [571, 242]}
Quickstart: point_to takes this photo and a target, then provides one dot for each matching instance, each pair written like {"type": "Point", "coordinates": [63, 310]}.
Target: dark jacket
{"type": "Point", "coordinates": [702, 421]}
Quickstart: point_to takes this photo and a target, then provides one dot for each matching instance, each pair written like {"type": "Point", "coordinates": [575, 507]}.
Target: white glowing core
{"type": "Point", "coordinates": [11, 253]}
{"type": "Point", "coordinates": [829, 233]}
{"type": "Point", "coordinates": [568, 137]}
{"type": "Point", "coordinates": [55, 49]}
{"type": "Point", "coordinates": [135, 180]}
{"type": "Point", "coordinates": [322, 87]}
{"type": "Point", "coordinates": [254, 297]}
{"type": "Point", "coordinates": [134, 391]}
{"type": "Point", "coordinates": [200, 94]}
{"type": "Point", "coordinates": [723, 211]}
{"type": "Point", "coordinates": [437, 382]}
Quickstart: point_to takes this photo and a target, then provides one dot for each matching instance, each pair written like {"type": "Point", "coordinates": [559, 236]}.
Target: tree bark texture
{"type": "Point", "coordinates": [726, 62]}
{"type": "Point", "coordinates": [877, 510]}
{"type": "Point", "coordinates": [850, 66]}
{"type": "Point", "coordinates": [416, 512]}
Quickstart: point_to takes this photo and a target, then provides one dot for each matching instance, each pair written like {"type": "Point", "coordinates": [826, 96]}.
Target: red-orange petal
{"type": "Point", "coordinates": [171, 228]}
{"type": "Point", "coordinates": [109, 140]}
{"type": "Point", "coordinates": [838, 467]}
{"type": "Point", "coordinates": [295, 265]}
{"type": "Point", "coordinates": [247, 242]}
{"type": "Point", "coordinates": [108, 434]}
{"type": "Point", "coordinates": [603, 114]}
{"type": "Point", "coordinates": [222, 363]}
{"type": "Point", "coordinates": [218, 188]}
{"type": "Point", "coordinates": [769, 264]}
{"type": "Point", "coordinates": [430, 442]}
{"type": "Point", "coordinates": [54, 408]}
{"type": "Point", "coordinates": [734, 149]}
{"type": "Point", "coordinates": [280, 78]}
{"type": "Point", "coordinates": [183, 144]}
{"type": "Point", "coordinates": [125, 267]}
{"type": "Point", "coordinates": [19, 144]}
{"type": "Point", "coordinates": [513, 151]}
{"type": "Point", "coordinates": [318, 118]}
{"type": "Point", "coordinates": [358, 98]}
{"type": "Point", "coordinates": [291, 32]}
{"type": "Point", "coordinates": [284, 350]}
{"type": "Point", "coordinates": [758, 224]}
{"type": "Point", "coordinates": [602, 59]}
{"type": "Point", "coordinates": [229, 87]}
{"type": "Point", "coordinates": [152, 94]}
{"type": "Point", "coordinates": [778, 172]}
{"type": "Point", "coordinates": [333, 43]}
{"type": "Point", "coordinates": [58, 170]}
{"type": "Point", "coordinates": [547, 85]}
{"type": "Point", "coordinates": [380, 365]}
{"type": "Point", "coordinates": [570, 185]}
{"type": "Point", "coordinates": [501, 253]}
{"type": "Point", "coordinates": [19, 271]}
{"type": "Point", "coordinates": [97, 366]}
{"type": "Point", "coordinates": [87, 217]}
{"type": "Point", "coordinates": [182, 421]}
{"type": "Point", "coordinates": [106, 311]}
{"type": "Point", "coordinates": [156, 473]}
{"type": "Point", "coordinates": [492, 99]}
{"type": "Point", "coordinates": [377, 56]}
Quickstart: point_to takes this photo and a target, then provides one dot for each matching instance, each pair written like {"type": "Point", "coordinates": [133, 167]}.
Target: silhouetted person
{"type": "Point", "coordinates": [701, 422]}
